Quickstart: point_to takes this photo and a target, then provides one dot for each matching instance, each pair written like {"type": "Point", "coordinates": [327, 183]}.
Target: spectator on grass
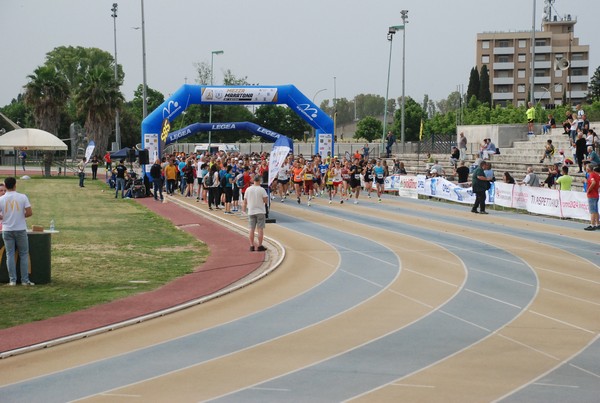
{"type": "Point", "coordinates": [14, 209]}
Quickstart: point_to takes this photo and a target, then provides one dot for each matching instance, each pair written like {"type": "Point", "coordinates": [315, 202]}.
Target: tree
{"type": "Point", "coordinates": [369, 129]}
{"type": "Point", "coordinates": [594, 87]}
{"type": "Point", "coordinates": [413, 114]}
{"type": "Point", "coordinates": [474, 84]}
{"type": "Point", "coordinates": [485, 96]}
{"type": "Point", "coordinates": [369, 105]}
{"type": "Point", "coordinates": [98, 98]}
{"type": "Point", "coordinates": [46, 93]}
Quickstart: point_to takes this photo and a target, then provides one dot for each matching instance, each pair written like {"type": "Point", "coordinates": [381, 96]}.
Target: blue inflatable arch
{"type": "Point", "coordinates": [157, 125]}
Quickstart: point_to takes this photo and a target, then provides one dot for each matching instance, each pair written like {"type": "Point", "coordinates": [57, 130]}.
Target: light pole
{"type": "Point", "coordinates": [313, 100]}
{"type": "Point", "coordinates": [404, 16]}
{"type": "Point", "coordinates": [212, 59]}
{"type": "Point", "coordinates": [532, 90]}
{"type": "Point", "coordinates": [144, 89]}
{"type": "Point", "coordinates": [390, 38]}
{"type": "Point", "coordinates": [114, 8]}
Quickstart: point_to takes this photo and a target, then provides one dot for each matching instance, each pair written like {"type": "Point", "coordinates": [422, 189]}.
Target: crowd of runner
{"type": "Point", "coordinates": [220, 180]}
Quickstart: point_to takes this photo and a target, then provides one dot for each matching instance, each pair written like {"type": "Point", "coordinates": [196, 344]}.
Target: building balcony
{"type": "Point", "coordinates": [580, 63]}
{"type": "Point", "coordinates": [504, 51]}
{"type": "Point", "coordinates": [579, 79]}
{"type": "Point", "coordinates": [503, 81]}
{"type": "Point", "coordinates": [578, 94]}
{"type": "Point", "coordinates": [543, 64]}
{"type": "Point", "coordinates": [542, 49]}
{"type": "Point", "coordinates": [502, 96]}
{"type": "Point", "coordinates": [543, 80]}
{"type": "Point", "coordinates": [504, 66]}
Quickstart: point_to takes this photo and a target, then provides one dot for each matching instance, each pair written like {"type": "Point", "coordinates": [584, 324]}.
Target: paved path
{"type": "Point", "coordinates": [400, 301]}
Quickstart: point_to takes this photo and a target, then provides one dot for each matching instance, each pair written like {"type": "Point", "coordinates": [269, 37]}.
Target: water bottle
{"type": "Point", "coordinates": [52, 225]}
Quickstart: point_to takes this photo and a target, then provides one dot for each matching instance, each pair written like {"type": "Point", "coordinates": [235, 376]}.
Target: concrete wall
{"type": "Point", "coordinates": [503, 136]}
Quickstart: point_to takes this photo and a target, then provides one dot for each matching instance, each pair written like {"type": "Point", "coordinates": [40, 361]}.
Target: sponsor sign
{"type": "Point", "coordinates": [245, 95]}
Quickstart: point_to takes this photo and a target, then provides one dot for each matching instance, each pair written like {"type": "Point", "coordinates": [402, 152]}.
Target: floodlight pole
{"type": "Point", "coordinates": [212, 59]}
{"type": "Point", "coordinates": [114, 9]}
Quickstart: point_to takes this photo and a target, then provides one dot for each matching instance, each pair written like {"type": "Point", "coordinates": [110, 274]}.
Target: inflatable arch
{"type": "Point", "coordinates": [157, 125]}
{"type": "Point", "coordinates": [194, 128]}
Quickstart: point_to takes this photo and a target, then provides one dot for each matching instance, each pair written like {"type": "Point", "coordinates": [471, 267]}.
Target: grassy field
{"type": "Point", "coordinates": [104, 247]}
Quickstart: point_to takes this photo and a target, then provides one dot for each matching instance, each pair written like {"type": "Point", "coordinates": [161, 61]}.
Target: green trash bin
{"type": "Point", "coordinates": [40, 262]}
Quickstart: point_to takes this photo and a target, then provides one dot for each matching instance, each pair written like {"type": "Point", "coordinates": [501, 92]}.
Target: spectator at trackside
{"type": "Point", "coordinates": [462, 146]}
{"type": "Point", "coordinates": [549, 125]}
{"type": "Point", "coordinates": [531, 179]}
{"type": "Point", "coordinates": [481, 184]}
{"type": "Point", "coordinates": [255, 201]}
{"type": "Point", "coordinates": [508, 178]}
{"type": "Point", "coordinates": [462, 172]}
{"type": "Point", "coordinates": [580, 150]}
{"type": "Point", "coordinates": [454, 156]}
{"type": "Point", "coordinates": [548, 151]}
{"type": "Point", "coordinates": [593, 182]}
{"type": "Point", "coordinates": [157, 180]}
{"type": "Point", "coordinates": [592, 156]}
{"type": "Point", "coordinates": [565, 180]}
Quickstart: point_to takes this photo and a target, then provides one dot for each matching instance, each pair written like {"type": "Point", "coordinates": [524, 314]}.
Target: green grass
{"type": "Point", "coordinates": [102, 246]}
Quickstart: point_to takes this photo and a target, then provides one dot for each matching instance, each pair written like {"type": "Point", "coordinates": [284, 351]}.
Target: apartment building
{"type": "Point", "coordinates": [561, 64]}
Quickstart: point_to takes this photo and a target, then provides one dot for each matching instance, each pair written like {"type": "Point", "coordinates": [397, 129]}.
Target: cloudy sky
{"type": "Point", "coordinates": [306, 43]}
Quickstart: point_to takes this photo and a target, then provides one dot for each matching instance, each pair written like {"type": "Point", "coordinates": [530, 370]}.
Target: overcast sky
{"type": "Point", "coordinates": [273, 42]}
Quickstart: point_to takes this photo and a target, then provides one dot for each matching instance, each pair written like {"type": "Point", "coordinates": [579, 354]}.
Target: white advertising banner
{"type": "Point", "coordinates": [325, 144]}
{"type": "Point", "coordinates": [537, 200]}
{"type": "Point", "coordinates": [151, 144]}
{"type": "Point", "coordinates": [405, 185]}
{"type": "Point", "coordinates": [278, 155]}
{"type": "Point", "coordinates": [574, 205]}
{"type": "Point", "coordinates": [237, 95]}
{"type": "Point", "coordinates": [444, 189]}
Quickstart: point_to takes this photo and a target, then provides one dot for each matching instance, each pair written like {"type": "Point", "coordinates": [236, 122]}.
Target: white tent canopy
{"type": "Point", "coordinates": [31, 139]}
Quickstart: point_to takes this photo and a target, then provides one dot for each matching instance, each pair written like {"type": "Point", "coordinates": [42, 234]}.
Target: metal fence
{"type": "Point", "coordinates": [437, 144]}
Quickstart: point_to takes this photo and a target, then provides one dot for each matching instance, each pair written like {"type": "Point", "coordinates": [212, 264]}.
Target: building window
{"type": "Point", "coordinates": [541, 73]}
{"type": "Point", "coordinates": [485, 44]}
{"type": "Point", "coordinates": [485, 59]}
{"type": "Point", "coordinates": [502, 59]}
{"type": "Point", "coordinates": [540, 42]}
{"type": "Point", "coordinates": [540, 58]}
{"type": "Point", "coordinates": [522, 43]}
{"type": "Point", "coordinates": [558, 88]}
{"type": "Point", "coordinates": [577, 72]}
{"type": "Point", "coordinates": [502, 43]}
{"type": "Point", "coordinates": [502, 89]}
{"type": "Point", "coordinates": [521, 57]}
{"type": "Point", "coordinates": [577, 56]}
{"type": "Point", "coordinates": [521, 73]}
{"type": "Point", "coordinates": [521, 88]}
{"type": "Point", "coordinates": [558, 73]}
{"type": "Point", "coordinates": [503, 73]}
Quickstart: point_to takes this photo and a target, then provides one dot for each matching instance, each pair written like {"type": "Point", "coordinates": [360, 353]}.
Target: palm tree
{"type": "Point", "coordinates": [98, 99]}
{"type": "Point", "coordinates": [46, 93]}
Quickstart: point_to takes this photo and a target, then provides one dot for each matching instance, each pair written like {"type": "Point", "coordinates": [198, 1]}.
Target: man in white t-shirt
{"type": "Point", "coordinates": [15, 207]}
{"type": "Point", "coordinates": [255, 200]}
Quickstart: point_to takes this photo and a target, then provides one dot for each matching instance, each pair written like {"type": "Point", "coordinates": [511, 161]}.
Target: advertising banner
{"type": "Point", "coordinates": [246, 95]}
{"type": "Point", "coordinates": [405, 185]}
{"type": "Point", "coordinates": [325, 144]}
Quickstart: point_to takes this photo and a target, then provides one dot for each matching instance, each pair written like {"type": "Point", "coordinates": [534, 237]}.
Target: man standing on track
{"type": "Point", "coordinates": [255, 201]}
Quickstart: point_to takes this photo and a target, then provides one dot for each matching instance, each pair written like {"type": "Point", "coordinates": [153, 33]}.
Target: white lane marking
{"type": "Point", "coordinates": [272, 389]}
{"type": "Point", "coordinates": [587, 280]}
{"type": "Point", "coordinates": [362, 278]}
{"type": "Point", "coordinates": [556, 385]}
{"type": "Point", "coordinates": [563, 322]}
{"type": "Point", "coordinates": [503, 277]}
{"type": "Point", "coordinates": [432, 278]}
{"type": "Point", "coordinates": [408, 385]}
{"type": "Point", "coordinates": [587, 301]}
{"type": "Point", "coordinates": [119, 395]}
{"type": "Point", "coordinates": [465, 321]}
{"type": "Point", "coordinates": [527, 346]}
{"type": "Point", "coordinates": [343, 248]}
{"type": "Point", "coordinates": [493, 299]}
{"type": "Point", "coordinates": [585, 370]}
{"type": "Point", "coordinates": [412, 299]}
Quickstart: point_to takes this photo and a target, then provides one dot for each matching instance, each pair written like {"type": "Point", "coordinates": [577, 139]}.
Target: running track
{"type": "Point", "coordinates": [400, 301]}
